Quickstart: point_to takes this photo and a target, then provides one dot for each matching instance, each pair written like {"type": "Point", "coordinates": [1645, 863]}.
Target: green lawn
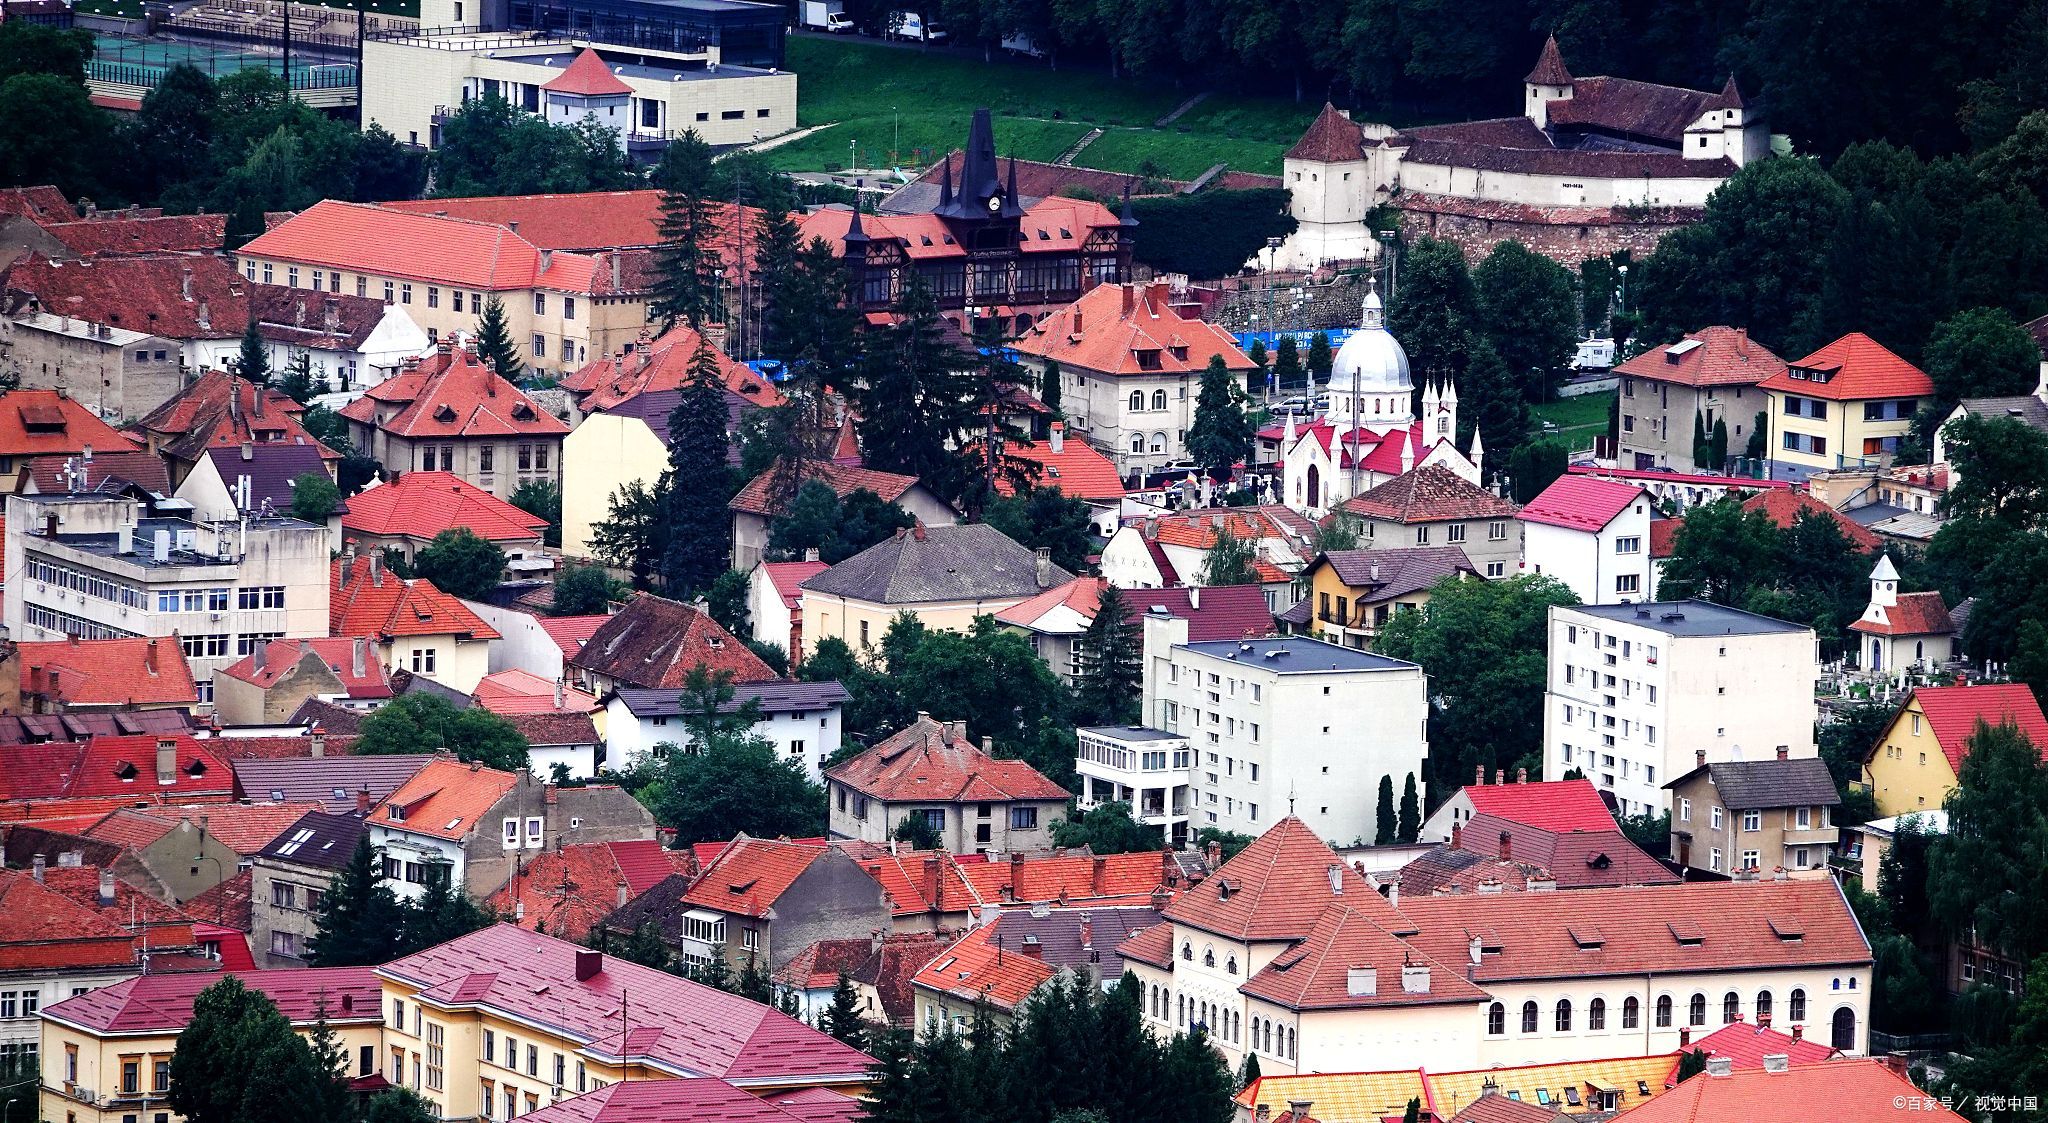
{"type": "Point", "coordinates": [923, 134]}
{"type": "Point", "coordinates": [1579, 419]}
{"type": "Point", "coordinates": [1180, 155]}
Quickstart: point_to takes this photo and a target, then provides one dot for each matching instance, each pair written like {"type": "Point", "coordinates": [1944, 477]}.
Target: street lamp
{"type": "Point", "coordinates": [1387, 251]}
{"type": "Point", "coordinates": [853, 155]}
{"type": "Point", "coordinates": [896, 142]}
{"type": "Point", "coordinates": [1272, 316]}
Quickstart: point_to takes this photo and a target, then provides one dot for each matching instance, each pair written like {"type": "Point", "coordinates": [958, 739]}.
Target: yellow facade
{"type": "Point", "coordinates": [456, 663]}
{"type": "Point", "coordinates": [128, 1075]}
{"type": "Point", "coordinates": [862, 624]}
{"type": "Point", "coordinates": [602, 455]}
{"type": "Point", "coordinates": [1337, 615]}
{"type": "Point", "coordinates": [1907, 770]}
{"type": "Point", "coordinates": [1845, 436]}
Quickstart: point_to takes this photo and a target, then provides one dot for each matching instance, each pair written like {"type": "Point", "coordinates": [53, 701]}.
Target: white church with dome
{"type": "Point", "coordinates": [1371, 433]}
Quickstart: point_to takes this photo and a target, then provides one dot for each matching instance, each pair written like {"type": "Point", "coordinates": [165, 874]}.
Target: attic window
{"type": "Point", "coordinates": [1224, 888]}
{"type": "Point", "coordinates": [125, 770]}
{"type": "Point", "coordinates": [1043, 236]}
{"type": "Point", "coordinates": [1599, 861]}
{"type": "Point", "coordinates": [444, 413]}
{"type": "Point", "coordinates": [1687, 933]}
{"type": "Point", "coordinates": [1586, 937]}
{"type": "Point", "coordinates": [949, 239]}
{"type": "Point", "coordinates": [742, 886]}
{"type": "Point", "coordinates": [1065, 233]}
{"type": "Point", "coordinates": [925, 238]}
{"type": "Point", "coordinates": [453, 823]}
{"type": "Point", "coordinates": [196, 768]}
{"type": "Point", "coordinates": [523, 412]}
{"type": "Point", "coordinates": [1787, 929]}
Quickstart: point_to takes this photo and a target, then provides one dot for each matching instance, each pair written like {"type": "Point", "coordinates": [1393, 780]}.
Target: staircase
{"type": "Point", "coordinates": [1066, 159]}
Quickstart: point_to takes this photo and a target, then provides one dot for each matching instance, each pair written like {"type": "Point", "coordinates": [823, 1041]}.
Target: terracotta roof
{"type": "Point", "coordinates": [41, 928]}
{"type": "Point", "coordinates": [108, 672]}
{"type": "Point", "coordinates": [384, 241]}
{"type": "Point", "coordinates": [660, 363]}
{"type": "Point", "coordinates": [118, 233]}
{"type": "Point", "coordinates": [673, 1025]}
{"type": "Point", "coordinates": [548, 729]}
{"type": "Point", "coordinates": [1954, 712]}
{"type": "Point", "coordinates": [152, 923]}
{"type": "Point", "coordinates": [1664, 536]}
{"type": "Point", "coordinates": [568, 890]}
{"type": "Point", "coordinates": [654, 642]}
{"type": "Point", "coordinates": [1585, 503]}
{"type": "Point", "coordinates": [289, 746]}
{"type": "Point", "coordinates": [1549, 69]}
{"type": "Point", "coordinates": [1321, 972]}
{"type": "Point", "coordinates": [587, 76]}
{"type": "Point", "coordinates": [48, 422]}
{"type": "Point", "coordinates": [588, 221]}
{"type": "Point", "coordinates": [199, 417]}
{"type": "Point", "coordinates": [758, 496]}
{"type": "Point", "coordinates": [1277, 889]}
{"type": "Point", "coordinates": [282, 657]}
{"type": "Point", "coordinates": [445, 799]}
{"type": "Point", "coordinates": [382, 607]}
{"type": "Point", "coordinates": [1590, 933]}
{"type": "Point", "coordinates": [242, 828]}
{"type": "Point", "coordinates": [1576, 859]}
{"type": "Point", "coordinates": [143, 292]}
{"type": "Point", "coordinates": [130, 828]}
{"type": "Point", "coordinates": [1785, 505]}
{"type": "Point", "coordinates": [975, 968]}
{"type": "Point", "coordinates": [1746, 1045]}
{"type": "Point", "coordinates": [1711, 356]}
{"type": "Point", "coordinates": [1915, 614]}
{"type": "Point", "coordinates": [1382, 575]}
{"type": "Point", "coordinates": [1856, 367]}
{"type": "Point", "coordinates": [452, 393]}
{"type": "Point", "coordinates": [114, 767]}
{"type": "Point", "coordinates": [44, 205]}
{"type": "Point", "coordinates": [1130, 329]}
{"type": "Point", "coordinates": [968, 562]}
{"type": "Point", "coordinates": [423, 504]}
{"type": "Point", "coordinates": [787, 576]}
{"type": "Point", "coordinates": [750, 875]}
{"type": "Point", "coordinates": [1429, 494]}
{"type": "Point", "coordinates": [918, 881]}
{"type": "Point", "coordinates": [1858, 1088]}
{"type": "Point", "coordinates": [1077, 470]}
{"type": "Point", "coordinates": [227, 903]}
{"type": "Point", "coordinates": [1056, 878]}
{"type": "Point", "coordinates": [1556, 805]}
{"type": "Point", "coordinates": [1545, 160]}
{"type": "Point", "coordinates": [931, 761]}
{"type": "Point", "coordinates": [571, 632]}
{"type": "Point", "coordinates": [1197, 529]}
{"type": "Point", "coordinates": [518, 691]}
{"type": "Point", "coordinates": [887, 965]}
{"type": "Point", "coordinates": [697, 1100]}
{"type": "Point", "coordinates": [1332, 139]}
{"type": "Point", "coordinates": [1225, 612]}
{"type": "Point", "coordinates": [1497, 1108]}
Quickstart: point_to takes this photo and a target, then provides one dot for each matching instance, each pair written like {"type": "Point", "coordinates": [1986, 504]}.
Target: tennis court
{"type": "Point", "coordinates": [142, 62]}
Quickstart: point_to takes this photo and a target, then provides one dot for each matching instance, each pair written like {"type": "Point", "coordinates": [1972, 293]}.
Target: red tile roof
{"type": "Point", "coordinates": [1585, 503]}
{"type": "Point", "coordinates": [932, 761]}
{"type": "Point", "coordinates": [423, 504]}
{"type": "Point", "coordinates": [385, 241]}
{"type": "Point", "coordinates": [120, 233]}
{"type": "Point", "coordinates": [49, 422]}
{"type": "Point", "coordinates": [1856, 367]}
{"type": "Point", "coordinates": [41, 928]}
{"type": "Point", "coordinates": [886, 964]}
{"type": "Point", "coordinates": [1054, 224]}
{"type": "Point", "coordinates": [107, 470]}
{"type": "Point", "coordinates": [121, 768]}
{"type": "Point", "coordinates": [1277, 889]}
{"type": "Point", "coordinates": [587, 76]}
{"type": "Point", "coordinates": [1857, 1088]}
{"type": "Point", "coordinates": [1576, 859]}
{"type": "Point", "coordinates": [758, 496]}
{"type": "Point", "coordinates": [1549, 69]}
{"type": "Point", "coordinates": [1316, 974]}
{"type": "Point", "coordinates": [696, 1100]}
{"type": "Point", "coordinates": [918, 881]}
{"type": "Point", "coordinates": [163, 1003]}
{"type": "Point", "coordinates": [1077, 470]}
{"type": "Point", "coordinates": [1784, 506]}
{"type": "Point", "coordinates": [382, 607]}
{"type": "Point", "coordinates": [281, 657]}
{"type": "Point", "coordinates": [566, 891]}
{"type": "Point", "coordinates": [570, 633]}
{"type": "Point", "coordinates": [1664, 536]}
{"type": "Point", "coordinates": [1555, 805]}
{"type": "Point", "coordinates": [1429, 494]}
{"type": "Point", "coordinates": [452, 393]}
{"type": "Point", "coordinates": [130, 828]}
{"type": "Point", "coordinates": [654, 642]}
{"type": "Point", "coordinates": [1048, 879]}
{"type": "Point", "coordinates": [108, 672]}
{"type": "Point", "coordinates": [44, 204]}
{"type": "Point", "coordinates": [660, 363]}
{"type": "Point", "coordinates": [227, 904]}
{"type": "Point", "coordinates": [1198, 529]}
{"type": "Point", "coordinates": [1496, 1108]}
{"type": "Point", "coordinates": [516, 691]}
{"type": "Point", "coordinates": [1954, 712]}
{"type": "Point", "coordinates": [1721, 356]}
{"type": "Point", "coordinates": [201, 416]}
{"type": "Point", "coordinates": [445, 799]}
{"type": "Point", "coordinates": [976, 969]}
{"type": "Point", "coordinates": [153, 924]}
{"type": "Point", "coordinates": [1112, 326]}
{"type": "Point", "coordinates": [750, 875]}
{"type": "Point", "coordinates": [1915, 614]}
{"type": "Point", "coordinates": [1332, 139]}
{"type": "Point", "coordinates": [786, 576]}
{"type": "Point", "coordinates": [643, 863]}
{"type": "Point", "coordinates": [243, 828]}
{"type": "Point", "coordinates": [1747, 1045]}
{"type": "Point", "coordinates": [670, 1024]}
{"type": "Point", "coordinates": [589, 221]}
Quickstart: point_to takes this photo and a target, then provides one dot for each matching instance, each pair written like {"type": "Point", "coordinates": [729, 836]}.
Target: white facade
{"type": "Point", "coordinates": [1282, 721]}
{"type": "Point", "coordinates": [808, 737]}
{"type": "Point", "coordinates": [1146, 768]}
{"type": "Point", "coordinates": [344, 373]}
{"type": "Point", "coordinates": [1610, 565]}
{"type": "Point", "coordinates": [409, 855]}
{"type": "Point", "coordinates": [1139, 421]}
{"type": "Point", "coordinates": [522, 643]}
{"type": "Point", "coordinates": [1636, 691]}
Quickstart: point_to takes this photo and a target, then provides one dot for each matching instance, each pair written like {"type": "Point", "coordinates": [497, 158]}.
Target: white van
{"type": "Point", "coordinates": [915, 27]}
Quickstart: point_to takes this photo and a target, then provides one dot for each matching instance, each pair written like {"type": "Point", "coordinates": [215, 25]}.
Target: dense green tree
{"type": "Point", "coordinates": [842, 1019]}
{"type": "Point", "coordinates": [818, 519]}
{"type": "Point", "coordinates": [1287, 373]}
{"type": "Point", "coordinates": [1043, 517]}
{"type": "Point", "coordinates": [1529, 307]}
{"type": "Point", "coordinates": [252, 362]}
{"type": "Point", "coordinates": [1109, 663]}
{"type": "Point", "coordinates": [917, 833]}
{"type": "Point", "coordinates": [490, 147]}
{"type": "Point", "coordinates": [1230, 561]}
{"type": "Point", "coordinates": [1718, 550]}
{"type": "Point", "coordinates": [238, 1060]}
{"type": "Point", "coordinates": [1979, 353]}
{"type": "Point", "coordinates": [1222, 434]}
{"type": "Point", "coordinates": [1411, 812]}
{"type": "Point", "coordinates": [917, 398]}
{"type": "Point", "coordinates": [1844, 741]}
{"type": "Point", "coordinates": [358, 922]}
{"type": "Point", "coordinates": [399, 1105]}
{"type": "Point", "coordinates": [725, 778]}
{"type": "Point", "coordinates": [726, 601]}
{"type": "Point", "coordinates": [494, 343]}
{"type": "Point", "coordinates": [687, 263]}
{"type": "Point", "coordinates": [1435, 313]}
{"type": "Point", "coordinates": [1248, 1072]}
{"type": "Point", "coordinates": [699, 523]}
{"type": "Point", "coordinates": [644, 946]}
{"type": "Point", "coordinates": [440, 914]}
{"type": "Point", "coordinates": [1208, 234]}
{"type": "Point", "coordinates": [1341, 530]}
{"type": "Point", "coordinates": [1320, 359]}
{"type": "Point", "coordinates": [634, 534]}
{"type": "Point", "coordinates": [1999, 471]}
{"type": "Point", "coordinates": [1106, 828]}
{"type": "Point", "coordinates": [173, 131]}
{"type": "Point", "coordinates": [1983, 874]}
{"type": "Point", "coordinates": [1049, 382]}
{"type": "Point", "coordinates": [778, 246]}
{"type": "Point", "coordinates": [314, 497]}
{"type": "Point", "coordinates": [584, 590]}
{"type": "Point", "coordinates": [461, 563]}
{"type": "Point", "coordinates": [1386, 828]}
{"type": "Point", "coordinates": [28, 47]}
{"type": "Point", "coordinates": [1536, 465]}
{"type": "Point", "coordinates": [420, 722]}
{"type": "Point", "coordinates": [298, 382]}
{"type": "Point", "coordinates": [385, 168]}
{"type": "Point", "coordinates": [543, 500]}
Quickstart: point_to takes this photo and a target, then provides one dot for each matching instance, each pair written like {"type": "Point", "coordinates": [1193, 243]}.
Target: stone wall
{"type": "Point", "coordinates": [1299, 305]}
{"type": "Point", "coordinates": [1567, 235]}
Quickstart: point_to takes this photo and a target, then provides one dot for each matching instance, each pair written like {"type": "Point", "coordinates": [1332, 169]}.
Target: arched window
{"type": "Point", "coordinates": [1180, 1009]}
{"type": "Point", "coordinates": [1696, 1010]}
{"type": "Point", "coordinates": [1529, 1017]}
{"type": "Point", "coordinates": [1564, 1015]}
{"type": "Point", "coordinates": [1158, 399]}
{"type": "Point", "coordinates": [1291, 1043]}
{"type": "Point", "coordinates": [1631, 1013]}
{"type": "Point", "coordinates": [1137, 400]}
{"type": "Point", "coordinates": [1496, 1019]}
{"type": "Point", "coordinates": [1844, 1029]}
{"type": "Point", "coordinates": [1208, 957]}
{"type": "Point", "coordinates": [1664, 1011]}
{"type": "Point", "coordinates": [1763, 1006]}
{"type": "Point", "coordinates": [1596, 1014]}
{"type": "Point", "coordinates": [1731, 1007]}
{"type": "Point", "coordinates": [1230, 965]}
{"type": "Point", "coordinates": [1796, 1008]}
{"type": "Point", "coordinates": [1137, 442]}
{"type": "Point", "coordinates": [1187, 949]}
{"type": "Point", "coordinates": [1159, 442]}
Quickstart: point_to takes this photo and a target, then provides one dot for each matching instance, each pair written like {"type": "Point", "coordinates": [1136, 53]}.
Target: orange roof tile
{"type": "Point", "coordinates": [656, 642]}
{"type": "Point", "coordinates": [384, 241]}
{"type": "Point", "coordinates": [1553, 805]}
{"type": "Point", "coordinates": [1746, 1046]}
{"type": "Point", "coordinates": [108, 672]}
{"type": "Point", "coordinates": [567, 890]}
{"type": "Point", "coordinates": [750, 875]}
{"type": "Point", "coordinates": [1859, 1088]}
{"type": "Point", "coordinates": [1785, 505]}
{"type": "Point", "coordinates": [445, 799]}
{"type": "Point", "coordinates": [1045, 879]}
{"type": "Point", "coordinates": [661, 363]}
{"type": "Point", "coordinates": [590, 221]}
{"type": "Point", "coordinates": [1277, 888]}
{"type": "Point", "coordinates": [42, 928]}
{"type": "Point", "coordinates": [366, 601]}
{"type": "Point", "coordinates": [1954, 712]}
{"type": "Point", "coordinates": [242, 828]}
{"type": "Point", "coordinates": [758, 498]}
{"type": "Point", "coordinates": [1852, 368]}
{"type": "Point", "coordinates": [570, 633]}
{"type": "Point", "coordinates": [1915, 614]}
{"type": "Point", "coordinates": [452, 393]}
{"type": "Point", "coordinates": [975, 968]}
{"type": "Point", "coordinates": [48, 422]}
{"type": "Point", "coordinates": [1331, 139]}
{"type": "Point", "coordinates": [1076, 468]}
{"type": "Point", "coordinates": [1317, 973]}
{"type": "Point", "coordinates": [931, 761]}
{"type": "Point", "coordinates": [423, 504]}
{"type": "Point", "coordinates": [1719, 356]}
{"type": "Point", "coordinates": [220, 411]}
{"type": "Point", "coordinates": [919, 881]}
{"type": "Point", "coordinates": [517, 691]}
{"type": "Point", "coordinates": [1130, 329]}
{"type": "Point", "coordinates": [280, 657]}
{"type": "Point", "coordinates": [1432, 493]}
{"type": "Point", "coordinates": [131, 828]}
{"type": "Point", "coordinates": [588, 76]}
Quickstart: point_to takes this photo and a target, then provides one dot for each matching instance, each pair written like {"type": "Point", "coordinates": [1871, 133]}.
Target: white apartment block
{"type": "Point", "coordinates": [1148, 769]}
{"type": "Point", "coordinates": [98, 567]}
{"type": "Point", "coordinates": [1636, 692]}
{"type": "Point", "coordinates": [1285, 725]}
{"type": "Point", "coordinates": [1593, 535]}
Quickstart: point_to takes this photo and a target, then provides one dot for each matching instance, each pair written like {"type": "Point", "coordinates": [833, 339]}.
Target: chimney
{"type": "Point", "coordinates": [106, 888]}
{"type": "Point", "coordinates": [248, 450]}
{"type": "Point", "coordinates": [1264, 1114]}
{"type": "Point", "coordinates": [1457, 835]}
{"type": "Point", "coordinates": [1298, 1110]}
{"type": "Point", "coordinates": [589, 964]}
{"type": "Point", "coordinates": [1777, 1062]}
{"type": "Point", "coordinates": [1699, 757]}
{"type": "Point", "coordinates": [625, 892]}
{"type": "Point", "coordinates": [1130, 298]}
{"type": "Point", "coordinates": [149, 657]}
{"type": "Point", "coordinates": [810, 553]}
{"type": "Point", "coordinates": [1096, 866]}
{"type": "Point", "coordinates": [1684, 1036]}
{"type": "Point", "coordinates": [1784, 751]}
{"type": "Point", "coordinates": [1195, 597]}
{"type": "Point", "coordinates": [36, 868]}
{"type": "Point", "coordinates": [358, 645]}
{"type": "Point", "coordinates": [363, 801]}
{"type": "Point", "coordinates": [1479, 775]}
{"type": "Point", "coordinates": [330, 316]}
{"type": "Point", "coordinates": [561, 694]}
{"type": "Point", "coordinates": [1151, 528]}
{"type": "Point", "coordinates": [616, 285]}
{"type": "Point", "coordinates": [1798, 1033]}
{"type": "Point", "coordinates": [1499, 777]}
{"type": "Point", "coordinates": [1521, 775]}
{"type": "Point", "coordinates": [319, 746]}
{"type": "Point", "coordinates": [1057, 435]}
{"type": "Point", "coordinates": [377, 570]}
{"type": "Point", "coordinates": [931, 882]}
{"type": "Point", "coordinates": [1720, 1066]}
{"type": "Point", "coordinates": [1031, 948]}
{"type": "Point", "coordinates": [1043, 560]}
{"type": "Point", "coordinates": [1414, 980]}
{"type": "Point", "coordinates": [185, 285]}
{"type": "Point", "coordinates": [1214, 855]}
{"type": "Point", "coordinates": [1507, 847]}
{"type": "Point", "coordinates": [166, 758]}
{"type": "Point", "coordinates": [547, 258]}
{"type": "Point", "coordinates": [1360, 982]}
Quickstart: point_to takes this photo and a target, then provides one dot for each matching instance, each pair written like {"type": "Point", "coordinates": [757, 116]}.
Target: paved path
{"type": "Point", "coordinates": [1183, 107]}
{"type": "Point", "coordinates": [1066, 159]}
{"type": "Point", "coordinates": [779, 139]}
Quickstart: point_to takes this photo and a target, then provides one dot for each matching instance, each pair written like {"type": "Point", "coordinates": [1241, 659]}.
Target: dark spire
{"type": "Point", "coordinates": [854, 234]}
{"type": "Point", "coordinates": [1013, 206]}
{"type": "Point", "coordinates": [1124, 217]}
{"type": "Point", "coordinates": [980, 180]}
{"type": "Point", "coordinates": [946, 184]}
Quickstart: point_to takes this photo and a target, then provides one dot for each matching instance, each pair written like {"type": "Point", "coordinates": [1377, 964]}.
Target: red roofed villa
{"type": "Point", "coordinates": [972, 801]}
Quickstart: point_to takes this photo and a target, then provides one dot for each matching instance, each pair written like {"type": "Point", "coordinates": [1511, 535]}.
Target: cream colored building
{"type": "Point", "coordinates": [603, 454]}
{"type": "Point", "coordinates": [1846, 405]}
{"type": "Point", "coordinates": [943, 575]}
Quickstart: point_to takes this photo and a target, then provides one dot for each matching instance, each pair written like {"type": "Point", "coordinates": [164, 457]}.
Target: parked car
{"type": "Point", "coordinates": [914, 26]}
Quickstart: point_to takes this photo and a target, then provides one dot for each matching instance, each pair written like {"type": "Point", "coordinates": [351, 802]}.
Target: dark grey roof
{"type": "Point", "coordinates": [776, 697]}
{"type": "Point", "coordinates": [2028, 408]}
{"type": "Point", "coordinates": [406, 682]}
{"type": "Point", "coordinates": [1871, 514]}
{"type": "Point", "coordinates": [271, 468]}
{"type": "Point", "coordinates": [1690, 618]}
{"type": "Point", "coordinates": [1298, 655]}
{"type": "Point", "coordinates": [335, 720]}
{"type": "Point", "coordinates": [1800, 782]}
{"type": "Point", "coordinates": [1133, 733]}
{"type": "Point", "coordinates": [974, 561]}
{"type": "Point", "coordinates": [1382, 575]}
{"type": "Point", "coordinates": [655, 406]}
{"type": "Point", "coordinates": [1058, 935]}
{"type": "Point", "coordinates": [318, 839]}
{"type": "Point", "coordinates": [1959, 616]}
{"type": "Point", "coordinates": [331, 780]}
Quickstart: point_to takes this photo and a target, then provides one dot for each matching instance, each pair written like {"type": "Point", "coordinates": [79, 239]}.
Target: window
{"type": "Point", "coordinates": [1796, 1008]}
{"type": "Point", "coordinates": [933, 817]}
{"type": "Point", "coordinates": [1563, 1021]}
{"type": "Point", "coordinates": [1422, 536]}
{"type": "Point", "coordinates": [532, 1059]}
{"type": "Point", "coordinates": [1631, 1012]}
{"type": "Point", "coordinates": [491, 1046]}
{"type": "Point", "coordinates": [511, 832]}
{"type": "Point", "coordinates": [1496, 569]}
{"type": "Point", "coordinates": [131, 1076]}
{"type": "Point", "coordinates": [1628, 545]}
{"type": "Point", "coordinates": [404, 293]}
{"type": "Point", "coordinates": [1763, 1006]}
{"type": "Point", "coordinates": [1752, 820]}
{"type": "Point", "coordinates": [1496, 1019]}
{"type": "Point", "coordinates": [1596, 1014]}
{"type": "Point", "coordinates": [436, 1056]}
{"type": "Point", "coordinates": [1023, 818]}
{"type": "Point", "coordinates": [540, 346]}
{"type": "Point", "coordinates": [423, 660]}
{"type": "Point", "coordinates": [260, 596]}
{"type": "Point", "coordinates": [533, 830]}
{"type": "Point", "coordinates": [1455, 532]}
{"type": "Point", "coordinates": [486, 458]}
{"type": "Point", "coordinates": [1696, 1010]}
{"type": "Point", "coordinates": [1714, 816]}
{"type": "Point", "coordinates": [1496, 531]}
{"type": "Point", "coordinates": [1802, 818]}
{"type": "Point", "coordinates": [568, 307]}
{"type": "Point", "coordinates": [1529, 1017]}
{"type": "Point", "coordinates": [1628, 583]}
{"type": "Point", "coordinates": [160, 1075]}
{"type": "Point", "coordinates": [1158, 399]}
{"type": "Point", "coordinates": [1714, 859]}
{"type": "Point", "coordinates": [433, 296]}
{"type": "Point", "coordinates": [291, 276]}
{"type": "Point", "coordinates": [1731, 1007]}
{"type": "Point", "coordinates": [283, 895]}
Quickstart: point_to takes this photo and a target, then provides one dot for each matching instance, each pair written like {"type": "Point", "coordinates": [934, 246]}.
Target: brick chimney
{"type": "Point", "coordinates": [149, 657]}
{"type": "Point", "coordinates": [934, 884]}
{"type": "Point", "coordinates": [1699, 757]}
{"type": "Point", "coordinates": [1457, 835]}
{"type": "Point", "coordinates": [1521, 775]}
{"type": "Point", "coordinates": [1507, 847]}
{"type": "Point", "coordinates": [363, 801]}
{"type": "Point", "coordinates": [1784, 752]}
{"type": "Point", "coordinates": [1032, 949]}
{"type": "Point", "coordinates": [589, 964]}
{"type": "Point", "coordinates": [1479, 775]}
{"type": "Point", "coordinates": [1096, 865]}
{"type": "Point", "coordinates": [1297, 1110]}
{"type": "Point", "coordinates": [106, 888]}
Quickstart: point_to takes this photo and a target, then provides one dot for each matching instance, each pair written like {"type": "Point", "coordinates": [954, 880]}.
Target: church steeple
{"type": "Point", "coordinates": [1375, 315]}
{"type": "Point", "coordinates": [946, 184]}
{"type": "Point", "coordinates": [982, 194]}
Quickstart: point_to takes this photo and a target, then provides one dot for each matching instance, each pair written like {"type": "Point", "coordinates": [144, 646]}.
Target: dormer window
{"type": "Point", "coordinates": [444, 413]}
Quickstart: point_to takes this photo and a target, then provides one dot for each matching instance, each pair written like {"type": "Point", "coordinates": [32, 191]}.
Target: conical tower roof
{"type": "Point", "coordinates": [1550, 69]}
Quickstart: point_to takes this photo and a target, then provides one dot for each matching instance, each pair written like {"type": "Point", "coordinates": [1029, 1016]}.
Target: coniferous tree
{"type": "Point", "coordinates": [1255, 378]}
{"type": "Point", "coordinates": [645, 946]}
{"type": "Point", "coordinates": [1386, 827]}
{"type": "Point", "coordinates": [1248, 1073]}
{"type": "Point", "coordinates": [1320, 359]}
{"type": "Point", "coordinates": [634, 535]}
{"type": "Point", "coordinates": [686, 261]}
{"type": "Point", "coordinates": [777, 246]}
{"type": "Point", "coordinates": [1287, 364]}
{"type": "Point", "coordinates": [358, 922]}
{"type": "Point", "coordinates": [253, 361]}
{"type": "Point", "coordinates": [842, 1019]}
{"type": "Point", "coordinates": [1222, 434]}
{"type": "Point", "coordinates": [1411, 812]}
{"type": "Point", "coordinates": [298, 382]}
{"type": "Point", "coordinates": [441, 914]}
{"type": "Point", "coordinates": [245, 223]}
{"type": "Point", "coordinates": [1717, 445]}
{"type": "Point", "coordinates": [916, 402]}
{"type": "Point", "coordinates": [699, 524]}
{"type": "Point", "coordinates": [494, 341]}
{"type": "Point", "coordinates": [1111, 663]}
{"type": "Point", "coordinates": [1049, 383]}
{"type": "Point", "coordinates": [1699, 439]}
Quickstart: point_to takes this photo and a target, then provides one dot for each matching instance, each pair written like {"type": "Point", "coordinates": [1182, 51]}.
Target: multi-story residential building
{"type": "Point", "coordinates": [946, 576]}
{"type": "Point", "coordinates": [411, 625]}
{"type": "Point", "coordinates": [1352, 594]}
{"type": "Point", "coordinates": [1846, 405]}
{"type": "Point", "coordinates": [1593, 535]}
{"type": "Point", "coordinates": [1636, 692]}
{"type": "Point", "coordinates": [406, 514]}
{"type": "Point", "coordinates": [931, 772]}
{"type": "Point", "coordinates": [775, 600]}
{"type": "Point", "coordinates": [1266, 719]}
{"type": "Point", "coordinates": [106, 1055]}
{"type": "Point", "coordinates": [1435, 506]}
{"type": "Point", "coordinates": [1670, 393]}
{"type": "Point", "coordinates": [1755, 817]}
{"type": "Point", "coordinates": [289, 880]}
{"type": "Point", "coordinates": [1056, 621]}
{"type": "Point", "coordinates": [451, 412]}
{"type": "Point", "coordinates": [801, 719]}
{"type": "Point", "coordinates": [96, 566]}
{"type": "Point", "coordinates": [1915, 764]}
{"type": "Point", "coordinates": [1147, 769]}
{"type": "Point", "coordinates": [654, 643]}
{"type": "Point", "coordinates": [269, 685]}
{"type": "Point", "coordinates": [221, 410]}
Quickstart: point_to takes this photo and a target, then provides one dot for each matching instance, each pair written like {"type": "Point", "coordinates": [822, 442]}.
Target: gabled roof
{"type": "Point", "coordinates": [1198, 529]}
{"type": "Point", "coordinates": [108, 672]}
{"type": "Point", "coordinates": [153, 924]}
{"type": "Point", "coordinates": [1076, 469]}
{"type": "Point", "coordinates": [932, 761]}
{"type": "Point", "coordinates": [423, 504]}
{"type": "Point", "coordinates": [453, 393]}
{"type": "Point", "coordinates": [273, 470]}
{"type": "Point", "coordinates": [49, 422]}
{"type": "Point", "coordinates": [570, 633]}
{"type": "Point", "coordinates": [545, 730]}
{"type": "Point", "coordinates": [1277, 889]}
{"type": "Point", "coordinates": [1860, 1088]}
{"type": "Point", "coordinates": [588, 76]}
{"type": "Point", "coordinates": [1044, 879]}
{"type": "Point", "coordinates": [1586, 503]}
{"type": "Point", "coordinates": [220, 410]}
{"type": "Point", "coordinates": [114, 767]}
{"type": "Point", "coordinates": [1432, 493]}
{"type": "Point", "coordinates": [1320, 972]}
{"type": "Point", "coordinates": [131, 828]}
{"type": "Point", "coordinates": [1218, 612]}
{"type": "Point", "coordinates": [655, 642]}
{"type": "Point", "coordinates": [1556, 805]}
{"type": "Point", "coordinates": [385, 241]}
{"type": "Point", "coordinates": [1711, 356]}
{"type": "Point", "coordinates": [1915, 614]}
{"type": "Point", "coordinates": [157, 1004]}
{"type": "Point", "coordinates": [1765, 784]}
{"type": "Point", "coordinates": [1954, 712]}
{"type": "Point", "coordinates": [1496, 1108]}
{"type": "Point", "coordinates": [1746, 1045]}
{"type": "Point", "coordinates": [1576, 859]}
{"type": "Point", "coordinates": [590, 220]}
{"type": "Point", "coordinates": [43, 205]}
{"type": "Point", "coordinates": [41, 928]}
{"type": "Point", "coordinates": [887, 964]}
{"type": "Point", "coordinates": [515, 690]}
{"type": "Point", "coordinates": [105, 472]}
{"type": "Point", "coordinates": [366, 601]}
{"type": "Point", "coordinates": [338, 654]}
{"type": "Point", "coordinates": [1382, 575]}
{"type": "Point", "coordinates": [1855, 367]}
{"type": "Point", "coordinates": [759, 496]}
{"type": "Point", "coordinates": [320, 839]}
{"type": "Point", "coordinates": [977, 968]}
{"type": "Point", "coordinates": [788, 577]}
{"type": "Point", "coordinates": [1331, 139]}
{"type": "Point", "coordinates": [750, 875]}
{"type": "Point", "coordinates": [445, 799]}
{"type": "Point", "coordinates": [969, 562]}
{"type": "Point", "coordinates": [571, 888]}
{"type": "Point", "coordinates": [670, 1024]}
{"type": "Point", "coordinates": [334, 780]}
{"type": "Point", "coordinates": [697, 1100]}
{"type": "Point", "coordinates": [1130, 329]}
{"type": "Point", "coordinates": [661, 363]}
{"type": "Point", "coordinates": [776, 696]}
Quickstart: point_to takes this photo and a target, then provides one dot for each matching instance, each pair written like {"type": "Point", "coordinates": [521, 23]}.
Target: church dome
{"type": "Point", "coordinates": [1371, 360]}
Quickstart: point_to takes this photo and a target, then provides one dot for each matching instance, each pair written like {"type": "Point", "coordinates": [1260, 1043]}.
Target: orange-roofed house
{"type": "Point", "coordinates": [451, 412]}
{"type": "Point", "coordinates": [1915, 764]}
{"type": "Point", "coordinates": [221, 410]}
{"type": "Point", "coordinates": [1132, 364]}
{"type": "Point", "coordinates": [1859, 1088]}
{"type": "Point", "coordinates": [410, 624]}
{"type": "Point", "coordinates": [767, 497]}
{"type": "Point", "coordinates": [931, 772]}
{"type": "Point", "coordinates": [566, 892]}
{"type": "Point", "coordinates": [405, 514]}
{"type": "Point", "coordinates": [1846, 405]}
{"type": "Point", "coordinates": [72, 675]}
{"type": "Point", "coordinates": [52, 423]}
{"type": "Point", "coordinates": [1903, 631]}
{"type": "Point", "coordinates": [1713, 374]}
{"type": "Point", "coordinates": [1552, 805]}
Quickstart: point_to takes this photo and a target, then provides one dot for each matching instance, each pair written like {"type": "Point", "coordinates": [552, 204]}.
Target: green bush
{"type": "Point", "coordinates": [1211, 234]}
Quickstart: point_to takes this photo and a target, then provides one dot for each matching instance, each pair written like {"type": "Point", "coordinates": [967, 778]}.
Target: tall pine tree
{"type": "Point", "coordinates": [1386, 827]}
{"type": "Point", "coordinates": [1111, 663]}
{"type": "Point", "coordinates": [777, 250]}
{"type": "Point", "coordinates": [918, 398]}
{"type": "Point", "coordinates": [686, 262]}
{"type": "Point", "coordinates": [1049, 381]}
{"type": "Point", "coordinates": [494, 341]}
{"type": "Point", "coordinates": [699, 525]}
{"type": "Point", "coordinates": [253, 362]}
{"type": "Point", "coordinates": [359, 923]}
{"type": "Point", "coordinates": [1411, 812]}
{"type": "Point", "coordinates": [1222, 434]}
{"type": "Point", "coordinates": [842, 1019]}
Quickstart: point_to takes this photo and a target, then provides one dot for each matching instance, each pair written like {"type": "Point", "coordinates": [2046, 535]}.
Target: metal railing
{"type": "Point", "coordinates": [149, 75]}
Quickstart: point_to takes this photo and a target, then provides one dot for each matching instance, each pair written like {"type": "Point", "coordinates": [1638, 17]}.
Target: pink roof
{"type": "Point", "coordinates": [1553, 805]}
{"type": "Point", "coordinates": [588, 76]}
{"type": "Point", "coordinates": [695, 1100]}
{"type": "Point", "coordinates": [516, 691]}
{"type": "Point", "coordinates": [787, 576]}
{"type": "Point", "coordinates": [1581, 502]}
{"type": "Point", "coordinates": [164, 1002]}
{"type": "Point", "coordinates": [1747, 1045]}
{"type": "Point", "coordinates": [570, 632]}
